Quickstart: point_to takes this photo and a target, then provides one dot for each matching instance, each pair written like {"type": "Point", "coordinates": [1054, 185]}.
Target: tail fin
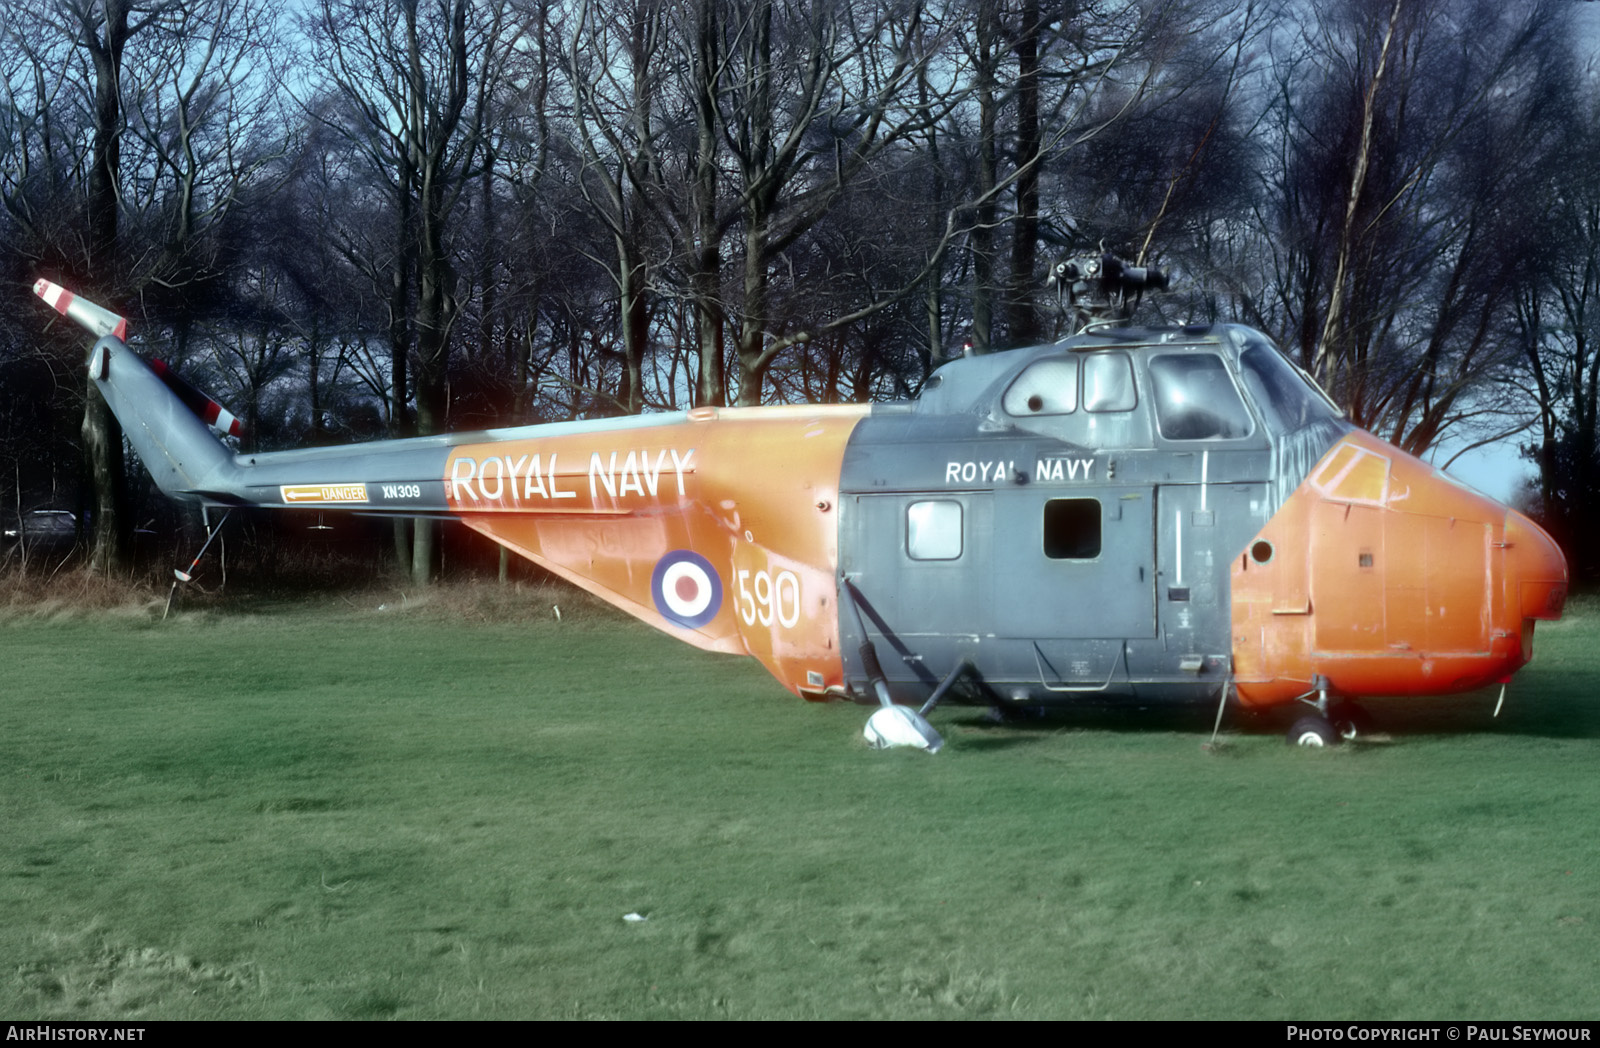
{"type": "Point", "coordinates": [183, 457]}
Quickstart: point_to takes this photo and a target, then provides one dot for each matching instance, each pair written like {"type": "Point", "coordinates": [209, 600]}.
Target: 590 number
{"type": "Point", "coordinates": [764, 597]}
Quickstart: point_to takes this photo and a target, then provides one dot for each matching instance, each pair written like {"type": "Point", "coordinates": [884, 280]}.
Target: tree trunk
{"type": "Point", "coordinates": [102, 446]}
{"type": "Point", "coordinates": [706, 279]}
{"type": "Point", "coordinates": [633, 304]}
{"type": "Point", "coordinates": [102, 436]}
{"type": "Point", "coordinates": [1334, 323]}
{"type": "Point", "coordinates": [988, 178]}
{"type": "Point", "coordinates": [1022, 317]}
{"type": "Point", "coordinates": [400, 341]}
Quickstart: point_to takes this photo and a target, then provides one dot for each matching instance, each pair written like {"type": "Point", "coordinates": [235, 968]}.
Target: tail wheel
{"type": "Point", "coordinates": [1313, 731]}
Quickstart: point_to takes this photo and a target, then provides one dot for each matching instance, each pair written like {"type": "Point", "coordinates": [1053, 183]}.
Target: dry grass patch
{"type": "Point", "coordinates": [484, 601]}
{"type": "Point", "coordinates": [89, 974]}
{"type": "Point", "coordinates": [37, 594]}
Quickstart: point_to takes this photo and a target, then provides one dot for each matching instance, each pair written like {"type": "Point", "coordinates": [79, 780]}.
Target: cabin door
{"type": "Point", "coordinates": [920, 562]}
{"type": "Point", "coordinates": [1074, 564]}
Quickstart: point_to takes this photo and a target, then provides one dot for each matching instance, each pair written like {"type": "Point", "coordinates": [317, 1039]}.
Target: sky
{"type": "Point", "coordinates": [1495, 469]}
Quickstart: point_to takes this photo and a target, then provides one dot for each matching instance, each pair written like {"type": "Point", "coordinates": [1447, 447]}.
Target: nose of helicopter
{"type": "Point", "coordinates": [1536, 572]}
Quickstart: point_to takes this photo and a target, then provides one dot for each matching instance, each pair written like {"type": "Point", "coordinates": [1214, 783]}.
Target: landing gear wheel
{"type": "Point", "coordinates": [1313, 731]}
{"type": "Point", "coordinates": [1351, 722]}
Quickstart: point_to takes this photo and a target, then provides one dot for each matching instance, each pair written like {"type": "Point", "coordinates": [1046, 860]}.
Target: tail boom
{"type": "Point", "coordinates": [717, 526]}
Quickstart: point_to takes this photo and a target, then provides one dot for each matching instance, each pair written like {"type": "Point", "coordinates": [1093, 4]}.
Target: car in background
{"type": "Point", "coordinates": [54, 528]}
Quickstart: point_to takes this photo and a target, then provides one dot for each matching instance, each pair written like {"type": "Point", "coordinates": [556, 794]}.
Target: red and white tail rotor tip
{"type": "Point", "coordinates": [97, 319]}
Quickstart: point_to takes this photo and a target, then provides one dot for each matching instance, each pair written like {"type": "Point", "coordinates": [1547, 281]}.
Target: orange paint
{"type": "Point", "coordinates": [1388, 578]}
{"type": "Point", "coordinates": [752, 491]}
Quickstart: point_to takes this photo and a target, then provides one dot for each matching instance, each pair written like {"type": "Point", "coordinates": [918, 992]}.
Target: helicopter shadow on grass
{"type": "Point", "coordinates": [1551, 706]}
{"type": "Point", "coordinates": [993, 729]}
{"type": "Point", "coordinates": [1547, 708]}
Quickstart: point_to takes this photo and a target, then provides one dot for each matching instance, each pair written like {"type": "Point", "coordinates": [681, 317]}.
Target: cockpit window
{"type": "Point", "coordinates": [1195, 398]}
{"type": "Point", "coordinates": [1286, 400]}
{"type": "Point", "coordinates": [1108, 382]}
{"type": "Point", "coordinates": [1049, 387]}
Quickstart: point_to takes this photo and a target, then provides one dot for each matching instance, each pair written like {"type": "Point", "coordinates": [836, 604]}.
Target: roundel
{"type": "Point", "coordinates": [686, 588]}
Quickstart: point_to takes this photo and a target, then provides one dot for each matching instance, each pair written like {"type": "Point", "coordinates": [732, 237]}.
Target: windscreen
{"type": "Point", "coordinates": [1195, 398]}
{"type": "Point", "coordinates": [1285, 397]}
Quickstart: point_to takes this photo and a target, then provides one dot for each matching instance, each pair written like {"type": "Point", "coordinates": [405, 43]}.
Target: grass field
{"type": "Point", "coordinates": [335, 811]}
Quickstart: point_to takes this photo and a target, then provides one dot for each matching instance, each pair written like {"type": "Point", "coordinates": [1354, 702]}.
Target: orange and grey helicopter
{"type": "Point", "coordinates": [1138, 515]}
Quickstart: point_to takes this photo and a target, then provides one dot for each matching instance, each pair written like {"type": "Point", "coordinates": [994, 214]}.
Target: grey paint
{"type": "Point", "coordinates": [1095, 550]}
{"type": "Point", "coordinates": [189, 463]}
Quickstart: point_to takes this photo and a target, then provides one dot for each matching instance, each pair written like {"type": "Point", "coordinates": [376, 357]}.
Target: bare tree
{"type": "Point", "coordinates": [414, 84]}
{"type": "Point", "coordinates": [173, 103]}
{"type": "Point", "coordinates": [615, 66]}
{"type": "Point", "coordinates": [1558, 328]}
{"type": "Point", "coordinates": [742, 119]}
{"type": "Point", "coordinates": [1409, 133]}
{"type": "Point", "coordinates": [103, 31]}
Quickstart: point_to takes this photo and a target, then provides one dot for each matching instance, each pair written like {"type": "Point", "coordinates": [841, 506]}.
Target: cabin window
{"type": "Point", "coordinates": [1049, 387]}
{"type": "Point", "coordinates": [1195, 398]}
{"type": "Point", "coordinates": [1072, 529]}
{"type": "Point", "coordinates": [1108, 382]}
{"type": "Point", "coordinates": [933, 530]}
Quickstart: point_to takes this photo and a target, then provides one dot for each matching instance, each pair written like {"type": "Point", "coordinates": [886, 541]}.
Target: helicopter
{"type": "Point", "coordinates": [1140, 516]}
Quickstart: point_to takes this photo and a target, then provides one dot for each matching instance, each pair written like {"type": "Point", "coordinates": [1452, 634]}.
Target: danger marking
{"type": "Point", "coordinates": [312, 494]}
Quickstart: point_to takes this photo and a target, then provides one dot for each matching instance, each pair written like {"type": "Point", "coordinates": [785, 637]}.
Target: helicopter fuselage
{"type": "Point", "coordinates": [1134, 514]}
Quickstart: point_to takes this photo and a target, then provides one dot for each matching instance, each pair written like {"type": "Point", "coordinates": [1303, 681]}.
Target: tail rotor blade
{"type": "Point", "coordinates": [198, 401]}
{"type": "Point", "coordinates": [98, 320]}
